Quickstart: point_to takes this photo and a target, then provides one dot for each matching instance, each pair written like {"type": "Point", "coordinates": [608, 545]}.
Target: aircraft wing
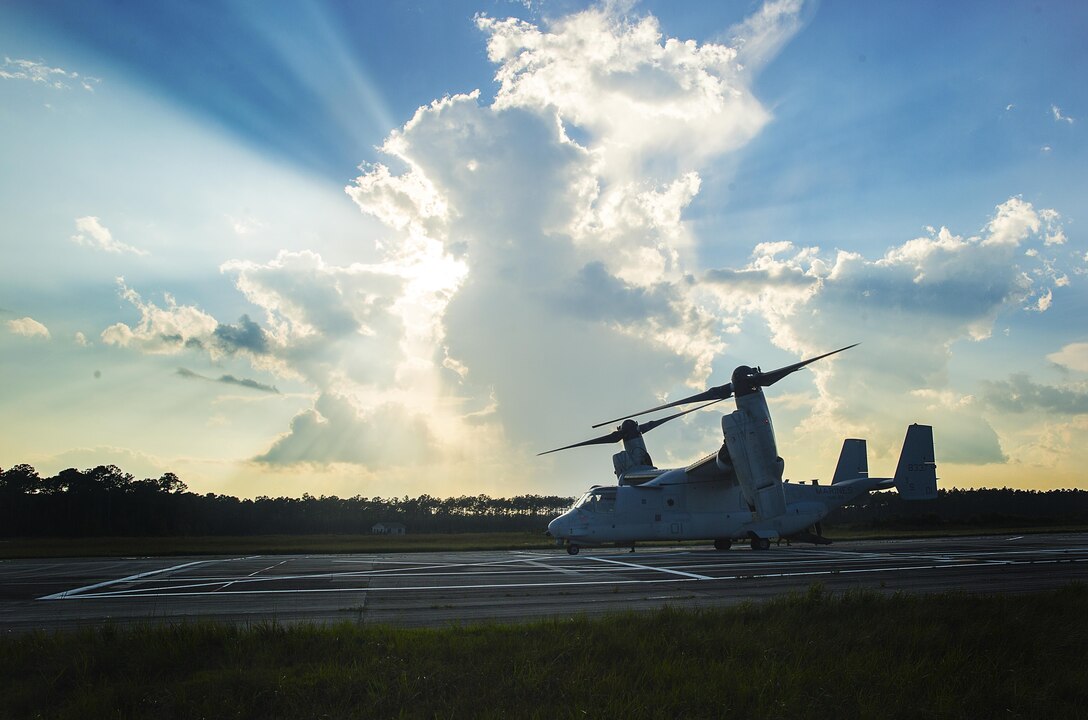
{"type": "Point", "coordinates": [707, 469]}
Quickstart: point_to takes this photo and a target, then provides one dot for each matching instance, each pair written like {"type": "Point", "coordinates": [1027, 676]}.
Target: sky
{"type": "Point", "coordinates": [388, 249]}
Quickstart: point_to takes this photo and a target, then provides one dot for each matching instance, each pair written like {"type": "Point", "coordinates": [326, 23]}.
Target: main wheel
{"type": "Point", "coordinates": [723, 544]}
{"type": "Point", "coordinates": [572, 549]}
{"type": "Point", "coordinates": [759, 543]}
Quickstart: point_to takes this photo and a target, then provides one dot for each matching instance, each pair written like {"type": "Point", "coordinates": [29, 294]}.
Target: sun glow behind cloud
{"type": "Point", "coordinates": [524, 260]}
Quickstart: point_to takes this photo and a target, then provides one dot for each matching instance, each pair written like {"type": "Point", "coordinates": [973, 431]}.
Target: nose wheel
{"type": "Point", "coordinates": [572, 549]}
{"type": "Point", "coordinates": [759, 543]}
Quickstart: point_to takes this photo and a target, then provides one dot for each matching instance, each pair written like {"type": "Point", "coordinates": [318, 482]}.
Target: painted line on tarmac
{"type": "Point", "coordinates": [686, 577]}
{"type": "Point", "coordinates": [69, 594]}
{"type": "Point", "coordinates": [66, 594]}
{"type": "Point", "coordinates": [500, 586]}
{"type": "Point", "coordinates": [692, 576]}
{"type": "Point", "coordinates": [552, 568]}
{"type": "Point", "coordinates": [255, 572]}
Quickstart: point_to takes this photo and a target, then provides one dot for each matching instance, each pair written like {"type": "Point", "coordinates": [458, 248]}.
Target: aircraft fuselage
{"type": "Point", "coordinates": [674, 506]}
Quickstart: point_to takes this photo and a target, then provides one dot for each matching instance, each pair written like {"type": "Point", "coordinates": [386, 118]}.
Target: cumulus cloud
{"type": "Point", "coordinates": [1014, 222]}
{"type": "Point", "coordinates": [1073, 356]}
{"type": "Point", "coordinates": [246, 335]}
{"type": "Point", "coordinates": [90, 232]}
{"type": "Point", "coordinates": [563, 199]}
{"type": "Point", "coordinates": [647, 102]}
{"type": "Point", "coordinates": [532, 233]}
{"type": "Point", "coordinates": [161, 331]}
{"type": "Point", "coordinates": [1019, 394]}
{"type": "Point", "coordinates": [340, 329]}
{"type": "Point", "coordinates": [907, 307]}
{"type": "Point", "coordinates": [338, 431]}
{"type": "Point", "coordinates": [28, 327]}
{"type": "Point", "coordinates": [178, 328]}
{"type": "Point", "coordinates": [42, 74]}
{"type": "Point", "coordinates": [536, 263]}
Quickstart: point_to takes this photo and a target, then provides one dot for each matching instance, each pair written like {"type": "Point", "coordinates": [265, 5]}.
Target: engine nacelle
{"type": "Point", "coordinates": [756, 463]}
{"type": "Point", "coordinates": [723, 461]}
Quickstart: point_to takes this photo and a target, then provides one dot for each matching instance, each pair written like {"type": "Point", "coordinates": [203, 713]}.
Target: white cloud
{"type": "Point", "coordinates": [1015, 220]}
{"type": "Point", "coordinates": [1073, 356]}
{"type": "Point", "coordinates": [81, 340]}
{"type": "Point", "coordinates": [336, 430]}
{"type": "Point", "coordinates": [243, 226]}
{"type": "Point", "coordinates": [536, 263]}
{"type": "Point", "coordinates": [90, 232]}
{"type": "Point", "coordinates": [161, 331]}
{"type": "Point", "coordinates": [329, 325]}
{"type": "Point", "coordinates": [42, 74]}
{"type": "Point", "coordinates": [760, 37]}
{"type": "Point", "coordinates": [1058, 117]}
{"type": "Point", "coordinates": [525, 237]}
{"type": "Point", "coordinates": [907, 308]}
{"type": "Point", "coordinates": [644, 101]}
{"type": "Point", "coordinates": [1043, 302]}
{"type": "Point", "coordinates": [1019, 394]}
{"type": "Point", "coordinates": [28, 327]}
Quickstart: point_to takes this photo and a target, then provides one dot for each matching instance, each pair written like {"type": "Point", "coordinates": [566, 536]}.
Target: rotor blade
{"type": "Point", "coordinates": [770, 378]}
{"type": "Point", "coordinates": [714, 394]}
{"type": "Point", "coordinates": [650, 425]}
{"type": "Point", "coordinates": [618, 433]}
{"type": "Point", "coordinates": [602, 440]}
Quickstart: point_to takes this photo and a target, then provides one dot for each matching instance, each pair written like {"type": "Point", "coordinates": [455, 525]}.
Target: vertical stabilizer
{"type": "Point", "coordinates": [853, 461]}
{"type": "Point", "coordinates": [916, 475]}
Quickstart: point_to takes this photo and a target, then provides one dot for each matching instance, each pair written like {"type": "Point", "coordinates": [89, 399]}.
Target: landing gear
{"type": "Point", "coordinates": [759, 543]}
{"type": "Point", "coordinates": [723, 544]}
{"type": "Point", "coordinates": [572, 549]}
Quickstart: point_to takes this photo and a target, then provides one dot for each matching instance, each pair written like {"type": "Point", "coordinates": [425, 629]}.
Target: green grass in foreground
{"type": "Point", "coordinates": [859, 655]}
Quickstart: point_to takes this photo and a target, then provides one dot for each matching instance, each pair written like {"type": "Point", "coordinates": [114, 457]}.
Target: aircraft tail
{"type": "Point", "coordinates": [916, 474]}
{"type": "Point", "coordinates": [853, 461]}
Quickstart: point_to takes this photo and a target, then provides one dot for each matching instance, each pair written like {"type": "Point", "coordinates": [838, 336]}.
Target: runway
{"type": "Point", "coordinates": [433, 589]}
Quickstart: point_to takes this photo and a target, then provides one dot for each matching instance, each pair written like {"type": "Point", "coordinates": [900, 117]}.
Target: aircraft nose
{"type": "Point", "coordinates": [556, 527]}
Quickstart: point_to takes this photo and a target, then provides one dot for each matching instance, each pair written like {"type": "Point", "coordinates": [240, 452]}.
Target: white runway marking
{"type": "Point", "coordinates": [692, 576]}
{"type": "Point", "coordinates": [68, 593]}
{"type": "Point", "coordinates": [525, 570]}
{"type": "Point", "coordinates": [552, 568]}
{"type": "Point", "coordinates": [486, 586]}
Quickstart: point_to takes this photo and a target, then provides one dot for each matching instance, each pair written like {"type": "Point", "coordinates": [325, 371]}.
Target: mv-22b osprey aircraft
{"type": "Point", "coordinates": [736, 493]}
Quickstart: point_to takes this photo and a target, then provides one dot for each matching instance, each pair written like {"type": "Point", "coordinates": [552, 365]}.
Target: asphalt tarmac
{"type": "Point", "coordinates": [434, 589]}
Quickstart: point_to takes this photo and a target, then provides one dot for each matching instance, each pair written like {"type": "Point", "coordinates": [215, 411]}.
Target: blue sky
{"type": "Point", "coordinates": [389, 248]}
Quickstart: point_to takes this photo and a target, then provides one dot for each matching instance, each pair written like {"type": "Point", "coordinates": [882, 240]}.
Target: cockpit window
{"type": "Point", "coordinates": [598, 500]}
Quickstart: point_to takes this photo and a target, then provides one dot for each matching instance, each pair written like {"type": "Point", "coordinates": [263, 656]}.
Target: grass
{"type": "Point", "coordinates": [814, 655]}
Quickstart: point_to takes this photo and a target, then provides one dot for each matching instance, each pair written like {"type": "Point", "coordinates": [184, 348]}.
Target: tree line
{"type": "Point", "coordinates": [106, 501]}
{"type": "Point", "coordinates": [985, 507]}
